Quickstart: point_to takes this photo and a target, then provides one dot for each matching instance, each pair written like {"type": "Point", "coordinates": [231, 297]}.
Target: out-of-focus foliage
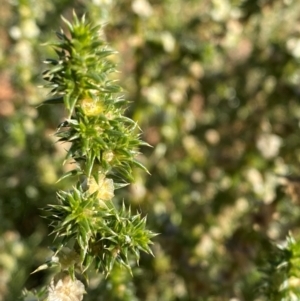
{"type": "Point", "coordinates": [214, 84]}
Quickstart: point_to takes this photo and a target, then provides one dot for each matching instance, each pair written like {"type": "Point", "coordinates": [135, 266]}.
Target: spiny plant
{"type": "Point", "coordinates": [90, 229]}
{"type": "Point", "coordinates": [280, 273]}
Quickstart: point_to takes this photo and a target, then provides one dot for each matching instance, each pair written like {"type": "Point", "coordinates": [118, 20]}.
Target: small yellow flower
{"type": "Point", "coordinates": [108, 156]}
{"type": "Point", "coordinates": [105, 187]}
{"type": "Point", "coordinates": [63, 288]}
{"type": "Point", "coordinates": [91, 107]}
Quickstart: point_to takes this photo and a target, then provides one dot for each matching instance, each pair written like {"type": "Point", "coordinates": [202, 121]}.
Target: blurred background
{"type": "Point", "coordinates": [214, 86]}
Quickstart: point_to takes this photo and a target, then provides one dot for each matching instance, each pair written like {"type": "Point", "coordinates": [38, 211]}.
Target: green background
{"type": "Point", "coordinates": [214, 86]}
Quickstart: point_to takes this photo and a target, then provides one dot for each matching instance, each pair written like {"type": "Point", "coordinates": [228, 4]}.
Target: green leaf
{"type": "Point", "coordinates": [70, 102]}
{"type": "Point", "coordinates": [120, 185]}
{"type": "Point", "coordinates": [70, 26]}
{"type": "Point", "coordinates": [68, 219]}
{"type": "Point", "coordinates": [61, 36]}
{"type": "Point", "coordinates": [55, 69]}
{"type": "Point", "coordinates": [104, 53]}
{"type": "Point", "coordinates": [140, 165]}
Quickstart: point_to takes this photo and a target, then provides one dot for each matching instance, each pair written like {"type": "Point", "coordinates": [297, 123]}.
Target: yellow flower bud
{"type": "Point", "coordinates": [108, 156]}
{"type": "Point", "coordinates": [63, 288]}
{"type": "Point", "coordinates": [105, 187]}
{"type": "Point", "coordinates": [91, 107]}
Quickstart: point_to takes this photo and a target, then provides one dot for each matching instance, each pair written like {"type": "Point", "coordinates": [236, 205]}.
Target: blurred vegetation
{"type": "Point", "coordinates": [214, 85]}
